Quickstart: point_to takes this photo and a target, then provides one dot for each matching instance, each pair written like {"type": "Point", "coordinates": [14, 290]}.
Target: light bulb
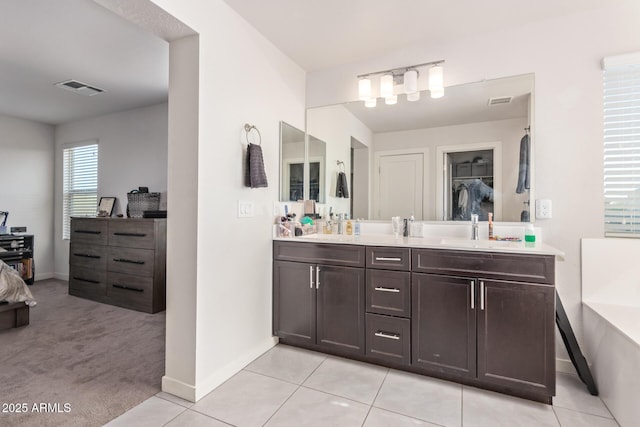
{"type": "Point", "coordinates": [386, 86]}
{"type": "Point", "coordinates": [436, 79]}
{"type": "Point", "coordinates": [411, 81]}
{"type": "Point", "coordinates": [413, 96]}
{"type": "Point", "coordinates": [391, 100]}
{"type": "Point", "coordinates": [370, 103]}
{"type": "Point", "coordinates": [437, 93]}
{"type": "Point", "coordinates": [364, 89]}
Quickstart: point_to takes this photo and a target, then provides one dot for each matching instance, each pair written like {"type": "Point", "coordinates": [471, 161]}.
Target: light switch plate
{"type": "Point", "coordinates": [246, 208]}
{"type": "Point", "coordinates": [543, 208]}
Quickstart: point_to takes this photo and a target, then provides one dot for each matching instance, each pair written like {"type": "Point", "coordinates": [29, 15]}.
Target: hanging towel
{"type": "Point", "coordinates": [342, 189]}
{"type": "Point", "coordinates": [255, 175]}
{"type": "Point", "coordinates": [525, 166]}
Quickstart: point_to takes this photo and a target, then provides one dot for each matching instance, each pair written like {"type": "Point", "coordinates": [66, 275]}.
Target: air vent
{"type": "Point", "coordinates": [79, 88]}
{"type": "Point", "coordinates": [501, 100]}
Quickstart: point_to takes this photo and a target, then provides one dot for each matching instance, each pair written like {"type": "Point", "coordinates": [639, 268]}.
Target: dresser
{"type": "Point", "coordinates": [119, 261]}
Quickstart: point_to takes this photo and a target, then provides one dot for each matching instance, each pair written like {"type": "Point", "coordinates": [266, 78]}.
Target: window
{"type": "Point", "coordinates": [80, 183]}
{"type": "Point", "coordinates": [622, 145]}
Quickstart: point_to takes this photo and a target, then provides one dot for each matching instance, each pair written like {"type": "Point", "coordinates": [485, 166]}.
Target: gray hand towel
{"type": "Point", "coordinates": [523, 175]}
{"type": "Point", "coordinates": [255, 175]}
{"type": "Point", "coordinates": [342, 188]}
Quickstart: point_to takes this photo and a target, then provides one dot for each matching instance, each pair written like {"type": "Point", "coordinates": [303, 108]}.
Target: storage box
{"type": "Point", "coordinates": [140, 202]}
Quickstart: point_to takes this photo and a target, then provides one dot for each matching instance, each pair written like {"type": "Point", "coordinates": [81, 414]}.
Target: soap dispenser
{"type": "Point", "coordinates": [349, 226]}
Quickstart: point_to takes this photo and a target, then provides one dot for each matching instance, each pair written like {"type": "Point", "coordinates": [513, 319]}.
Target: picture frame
{"type": "Point", "coordinates": [105, 207]}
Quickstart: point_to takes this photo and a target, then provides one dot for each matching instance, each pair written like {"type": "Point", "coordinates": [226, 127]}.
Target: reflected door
{"type": "Point", "coordinates": [400, 186]}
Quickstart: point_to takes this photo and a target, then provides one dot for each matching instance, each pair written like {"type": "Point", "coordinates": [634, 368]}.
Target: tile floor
{"type": "Point", "coordinates": [288, 386]}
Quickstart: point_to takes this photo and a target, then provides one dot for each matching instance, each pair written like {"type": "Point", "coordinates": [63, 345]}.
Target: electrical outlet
{"type": "Point", "coordinates": [543, 208]}
{"type": "Point", "coordinates": [246, 208]}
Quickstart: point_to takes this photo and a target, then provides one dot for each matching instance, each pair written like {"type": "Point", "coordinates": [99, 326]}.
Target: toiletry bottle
{"type": "Point", "coordinates": [490, 226]}
{"type": "Point", "coordinates": [529, 234]}
{"type": "Point", "coordinates": [340, 224]}
{"type": "Point", "coordinates": [349, 227]}
{"type": "Point", "coordinates": [356, 230]}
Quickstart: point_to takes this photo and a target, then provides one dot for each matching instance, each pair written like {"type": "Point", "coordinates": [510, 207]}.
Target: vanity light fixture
{"type": "Point", "coordinates": [407, 78]}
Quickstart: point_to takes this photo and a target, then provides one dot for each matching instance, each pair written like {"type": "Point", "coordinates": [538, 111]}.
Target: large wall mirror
{"type": "Point", "coordinates": [302, 165]}
{"type": "Point", "coordinates": [435, 159]}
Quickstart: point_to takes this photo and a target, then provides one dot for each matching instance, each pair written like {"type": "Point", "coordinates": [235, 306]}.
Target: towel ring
{"type": "Point", "coordinates": [248, 128]}
{"type": "Point", "coordinates": [339, 162]}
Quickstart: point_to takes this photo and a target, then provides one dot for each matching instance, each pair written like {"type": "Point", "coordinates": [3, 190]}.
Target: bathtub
{"type": "Point", "coordinates": [611, 319]}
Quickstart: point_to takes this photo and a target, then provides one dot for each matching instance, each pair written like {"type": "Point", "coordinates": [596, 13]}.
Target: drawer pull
{"type": "Point", "coordinates": [386, 335]}
{"type": "Point", "coordinates": [383, 289]}
{"type": "Point", "coordinates": [86, 280]}
{"type": "Point", "coordinates": [481, 295]}
{"type": "Point", "coordinates": [472, 284]}
{"type": "Point", "coordinates": [130, 234]}
{"type": "Point", "coordinates": [88, 232]}
{"type": "Point", "coordinates": [129, 261]}
{"type": "Point", "coordinates": [128, 288]}
{"type": "Point", "coordinates": [87, 256]}
{"type": "Point", "coordinates": [311, 276]}
{"type": "Point", "coordinates": [382, 258]}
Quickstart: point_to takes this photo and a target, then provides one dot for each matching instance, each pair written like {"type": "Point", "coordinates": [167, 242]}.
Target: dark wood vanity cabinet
{"type": "Point", "coordinates": [320, 304]}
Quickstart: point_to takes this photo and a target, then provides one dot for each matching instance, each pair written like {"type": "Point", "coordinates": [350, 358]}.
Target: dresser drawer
{"type": "Point", "coordinates": [319, 253]}
{"type": "Point", "coordinates": [89, 230]}
{"type": "Point", "coordinates": [516, 267]}
{"type": "Point", "coordinates": [388, 258]}
{"type": "Point", "coordinates": [88, 256]}
{"type": "Point", "coordinates": [129, 291]}
{"type": "Point", "coordinates": [130, 261]}
{"type": "Point", "coordinates": [388, 338]}
{"type": "Point", "coordinates": [389, 292]}
{"type": "Point", "coordinates": [132, 234]}
{"type": "Point", "coordinates": [86, 282]}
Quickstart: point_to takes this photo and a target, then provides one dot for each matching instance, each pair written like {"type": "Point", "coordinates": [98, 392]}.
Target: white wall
{"type": "Point", "coordinates": [508, 132]}
{"type": "Point", "coordinates": [564, 54]}
{"type": "Point", "coordinates": [132, 152]}
{"type": "Point", "coordinates": [26, 191]}
{"type": "Point", "coordinates": [242, 79]}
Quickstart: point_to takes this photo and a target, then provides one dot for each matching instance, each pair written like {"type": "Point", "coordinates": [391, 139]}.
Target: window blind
{"type": "Point", "coordinates": [622, 145]}
{"type": "Point", "coordinates": [80, 183]}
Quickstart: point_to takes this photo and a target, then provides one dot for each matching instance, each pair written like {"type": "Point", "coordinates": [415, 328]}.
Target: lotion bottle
{"type": "Point", "coordinates": [349, 227]}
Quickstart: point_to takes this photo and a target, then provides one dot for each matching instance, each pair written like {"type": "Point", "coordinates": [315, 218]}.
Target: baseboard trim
{"type": "Point", "coordinates": [44, 276]}
{"type": "Point", "coordinates": [565, 366]}
{"type": "Point", "coordinates": [61, 276]}
{"type": "Point", "coordinates": [178, 388]}
{"type": "Point", "coordinates": [221, 375]}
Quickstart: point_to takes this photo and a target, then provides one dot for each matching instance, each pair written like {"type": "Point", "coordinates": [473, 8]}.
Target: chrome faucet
{"type": "Point", "coordinates": [474, 227]}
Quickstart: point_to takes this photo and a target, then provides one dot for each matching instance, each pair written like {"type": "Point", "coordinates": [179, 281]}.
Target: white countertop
{"type": "Point", "coordinates": [453, 243]}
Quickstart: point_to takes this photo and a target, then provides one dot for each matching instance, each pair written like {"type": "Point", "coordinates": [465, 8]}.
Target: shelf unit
{"type": "Point", "coordinates": [17, 252]}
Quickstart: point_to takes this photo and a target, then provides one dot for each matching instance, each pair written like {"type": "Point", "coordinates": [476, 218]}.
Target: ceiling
{"type": "Point", "coordinates": [46, 42]}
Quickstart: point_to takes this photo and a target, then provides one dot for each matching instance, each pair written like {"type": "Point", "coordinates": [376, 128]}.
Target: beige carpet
{"type": "Point", "coordinates": [99, 359]}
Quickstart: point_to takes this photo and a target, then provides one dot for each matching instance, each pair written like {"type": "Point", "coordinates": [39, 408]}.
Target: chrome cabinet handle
{"type": "Point", "coordinates": [473, 294]}
{"type": "Point", "coordinates": [129, 261]}
{"type": "Point", "coordinates": [383, 289]}
{"type": "Point", "coordinates": [130, 234]}
{"type": "Point", "coordinates": [317, 277]}
{"type": "Point", "coordinates": [311, 276]}
{"type": "Point", "coordinates": [481, 295]}
{"type": "Point", "coordinates": [388, 259]}
{"type": "Point", "coordinates": [388, 336]}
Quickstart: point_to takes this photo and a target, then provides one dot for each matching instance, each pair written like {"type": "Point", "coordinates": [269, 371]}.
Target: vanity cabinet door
{"type": "Point", "coordinates": [444, 324]}
{"type": "Point", "coordinates": [516, 335]}
{"type": "Point", "coordinates": [340, 305]}
{"type": "Point", "coordinates": [294, 302]}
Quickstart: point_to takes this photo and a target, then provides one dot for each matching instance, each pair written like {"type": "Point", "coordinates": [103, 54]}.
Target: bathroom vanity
{"type": "Point", "coordinates": [477, 313]}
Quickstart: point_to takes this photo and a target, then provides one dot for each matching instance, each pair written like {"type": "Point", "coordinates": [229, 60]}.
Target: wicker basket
{"type": "Point", "coordinates": [140, 202]}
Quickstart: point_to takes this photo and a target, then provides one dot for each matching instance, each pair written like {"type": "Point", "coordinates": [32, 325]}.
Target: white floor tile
{"type": "Point", "coordinates": [421, 397]}
{"type": "Point", "coordinates": [152, 412]}
{"type": "Point", "coordinates": [381, 418]}
{"type": "Point", "coordinates": [195, 419]}
{"type": "Point", "coordinates": [247, 399]}
{"type": "Point", "coordinates": [174, 399]}
{"type": "Point", "coordinates": [347, 378]}
{"type": "Point", "coordinates": [481, 408]}
{"type": "Point", "coordinates": [570, 418]}
{"type": "Point", "coordinates": [571, 393]}
{"type": "Point", "coordinates": [287, 363]}
{"type": "Point", "coordinates": [311, 408]}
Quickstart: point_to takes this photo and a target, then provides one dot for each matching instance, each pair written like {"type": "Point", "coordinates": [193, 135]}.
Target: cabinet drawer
{"type": "Point", "coordinates": [388, 258]}
{"type": "Point", "coordinates": [126, 290]}
{"type": "Point", "coordinates": [86, 282]}
{"type": "Point", "coordinates": [132, 234]}
{"type": "Point", "coordinates": [130, 261]}
{"type": "Point", "coordinates": [388, 338]}
{"type": "Point", "coordinates": [389, 292]}
{"type": "Point", "coordinates": [89, 230]}
{"type": "Point", "coordinates": [319, 253]}
{"type": "Point", "coordinates": [88, 256]}
{"type": "Point", "coordinates": [517, 267]}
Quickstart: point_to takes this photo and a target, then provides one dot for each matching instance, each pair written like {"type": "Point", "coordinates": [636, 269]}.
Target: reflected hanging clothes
{"type": "Point", "coordinates": [525, 165]}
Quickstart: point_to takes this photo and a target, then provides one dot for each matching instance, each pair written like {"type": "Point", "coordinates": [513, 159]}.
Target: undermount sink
{"type": "Point", "coordinates": [480, 244]}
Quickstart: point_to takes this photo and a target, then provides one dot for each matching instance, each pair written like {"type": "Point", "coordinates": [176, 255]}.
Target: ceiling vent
{"type": "Point", "coordinates": [500, 100]}
{"type": "Point", "coordinates": [80, 88]}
